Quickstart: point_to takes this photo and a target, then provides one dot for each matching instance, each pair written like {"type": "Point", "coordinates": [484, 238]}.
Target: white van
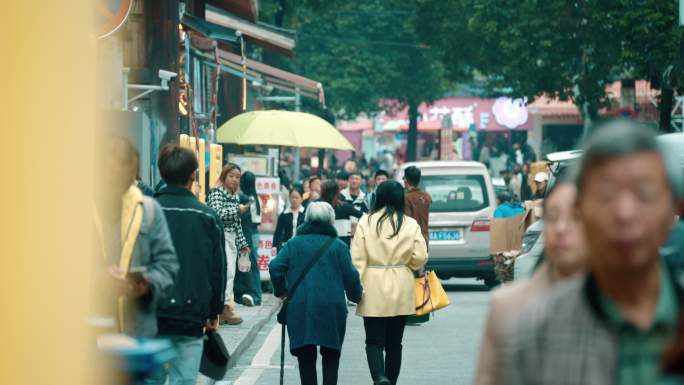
{"type": "Point", "coordinates": [463, 201]}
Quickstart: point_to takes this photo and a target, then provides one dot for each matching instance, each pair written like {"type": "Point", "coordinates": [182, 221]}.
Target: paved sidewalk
{"type": "Point", "coordinates": [239, 337]}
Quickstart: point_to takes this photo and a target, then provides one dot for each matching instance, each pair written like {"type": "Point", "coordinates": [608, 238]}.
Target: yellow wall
{"type": "Point", "coordinates": [46, 121]}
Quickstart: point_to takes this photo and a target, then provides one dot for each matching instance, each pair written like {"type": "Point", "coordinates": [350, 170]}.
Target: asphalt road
{"type": "Point", "coordinates": [440, 352]}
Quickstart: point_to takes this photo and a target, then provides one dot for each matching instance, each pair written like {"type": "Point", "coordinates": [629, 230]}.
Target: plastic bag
{"type": "Point", "coordinates": [244, 263]}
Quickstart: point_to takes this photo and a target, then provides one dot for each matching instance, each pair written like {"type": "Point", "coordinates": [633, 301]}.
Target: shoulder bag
{"type": "Point", "coordinates": [430, 295]}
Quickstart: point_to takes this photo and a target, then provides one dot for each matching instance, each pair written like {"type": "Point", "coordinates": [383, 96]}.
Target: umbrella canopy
{"type": "Point", "coordinates": [282, 128]}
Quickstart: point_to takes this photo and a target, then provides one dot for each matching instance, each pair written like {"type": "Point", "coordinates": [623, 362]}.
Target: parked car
{"type": "Point", "coordinates": [674, 248]}
{"type": "Point", "coordinates": [463, 200]}
{"type": "Point", "coordinates": [560, 161]}
{"type": "Point", "coordinates": [530, 251]}
{"type": "Point", "coordinates": [672, 144]}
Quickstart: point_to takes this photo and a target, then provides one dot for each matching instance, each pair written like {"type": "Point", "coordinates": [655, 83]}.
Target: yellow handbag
{"type": "Point", "coordinates": [430, 295]}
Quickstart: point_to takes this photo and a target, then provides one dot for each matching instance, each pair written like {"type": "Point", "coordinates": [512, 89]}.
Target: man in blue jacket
{"type": "Point", "coordinates": [196, 298]}
{"type": "Point", "coordinates": [508, 207]}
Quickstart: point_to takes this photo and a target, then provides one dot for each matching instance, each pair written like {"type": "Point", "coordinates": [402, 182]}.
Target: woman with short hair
{"type": "Point", "coordinates": [317, 312]}
{"type": "Point", "coordinates": [387, 249]}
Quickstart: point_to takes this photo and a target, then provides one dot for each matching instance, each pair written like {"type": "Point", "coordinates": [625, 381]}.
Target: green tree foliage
{"type": "Point", "coordinates": [568, 49]}
{"type": "Point", "coordinates": [652, 50]}
{"type": "Point", "coordinates": [363, 52]}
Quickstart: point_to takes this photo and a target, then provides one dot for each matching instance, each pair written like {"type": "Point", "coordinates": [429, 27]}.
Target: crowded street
{"type": "Point", "coordinates": [342, 192]}
{"type": "Point", "coordinates": [442, 352]}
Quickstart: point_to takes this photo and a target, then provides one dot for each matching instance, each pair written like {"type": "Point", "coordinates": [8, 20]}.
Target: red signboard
{"type": "Point", "coordinates": [500, 114]}
{"type": "Point", "coordinates": [486, 114]}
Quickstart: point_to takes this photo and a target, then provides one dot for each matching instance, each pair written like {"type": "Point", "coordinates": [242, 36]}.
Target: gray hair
{"type": "Point", "coordinates": [620, 137]}
{"type": "Point", "coordinates": [320, 212]}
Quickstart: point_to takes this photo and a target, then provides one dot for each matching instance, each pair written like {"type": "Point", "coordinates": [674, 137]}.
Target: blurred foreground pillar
{"type": "Point", "coordinates": [47, 130]}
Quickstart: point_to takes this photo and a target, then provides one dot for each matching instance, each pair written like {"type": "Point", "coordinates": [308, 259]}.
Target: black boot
{"type": "Point", "coordinates": [306, 358]}
{"type": "Point", "coordinates": [376, 364]}
{"type": "Point", "coordinates": [331, 365]}
{"type": "Point", "coordinates": [393, 363]}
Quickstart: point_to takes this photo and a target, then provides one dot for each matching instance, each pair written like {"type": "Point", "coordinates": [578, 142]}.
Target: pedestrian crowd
{"type": "Point", "coordinates": [175, 267]}
{"type": "Point", "coordinates": [603, 306]}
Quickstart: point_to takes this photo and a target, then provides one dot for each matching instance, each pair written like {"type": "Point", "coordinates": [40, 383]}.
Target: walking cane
{"type": "Point", "coordinates": [282, 355]}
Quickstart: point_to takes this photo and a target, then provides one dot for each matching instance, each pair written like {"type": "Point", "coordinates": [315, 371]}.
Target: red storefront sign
{"type": "Point", "coordinates": [500, 114]}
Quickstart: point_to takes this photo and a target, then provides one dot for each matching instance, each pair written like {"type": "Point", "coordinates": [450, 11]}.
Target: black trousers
{"type": "Point", "coordinates": [306, 355]}
{"type": "Point", "coordinates": [384, 334]}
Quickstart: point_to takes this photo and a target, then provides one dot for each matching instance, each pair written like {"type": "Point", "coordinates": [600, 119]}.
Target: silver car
{"type": "Point", "coordinates": [463, 201]}
{"type": "Point", "coordinates": [531, 250]}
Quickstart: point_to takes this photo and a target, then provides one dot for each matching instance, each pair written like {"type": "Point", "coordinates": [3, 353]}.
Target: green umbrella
{"type": "Point", "coordinates": [282, 128]}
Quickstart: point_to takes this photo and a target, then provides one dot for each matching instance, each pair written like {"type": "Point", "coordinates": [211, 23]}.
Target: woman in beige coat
{"type": "Point", "coordinates": [564, 255]}
{"type": "Point", "coordinates": [387, 249]}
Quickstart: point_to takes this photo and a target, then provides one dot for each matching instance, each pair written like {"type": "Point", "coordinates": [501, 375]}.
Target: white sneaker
{"type": "Point", "coordinates": [247, 300]}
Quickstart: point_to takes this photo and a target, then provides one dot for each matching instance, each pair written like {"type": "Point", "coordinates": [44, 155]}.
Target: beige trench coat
{"type": "Point", "coordinates": [386, 266]}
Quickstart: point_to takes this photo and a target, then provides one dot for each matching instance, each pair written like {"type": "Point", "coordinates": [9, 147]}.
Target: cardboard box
{"type": "Point", "coordinates": [506, 233]}
{"type": "Point", "coordinates": [533, 212]}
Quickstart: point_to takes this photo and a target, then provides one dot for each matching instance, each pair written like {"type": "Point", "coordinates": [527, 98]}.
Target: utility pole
{"type": "Point", "coordinates": [298, 151]}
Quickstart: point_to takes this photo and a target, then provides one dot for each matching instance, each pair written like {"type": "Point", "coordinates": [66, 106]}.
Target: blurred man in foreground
{"type": "Point", "coordinates": [134, 244]}
{"type": "Point", "coordinates": [612, 325]}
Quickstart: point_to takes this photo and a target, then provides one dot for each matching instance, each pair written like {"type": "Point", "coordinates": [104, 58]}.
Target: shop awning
{"type": "Point", "coordinates": [260, 34]}
{"type": "Point", "coordinates": [210, 30]}
{"type": "Point", "coordinates": [246, 9]}
{"type": "Point", "coordinates": [275, 77]}
{"type": "Point", "coordinates": [264, 75]}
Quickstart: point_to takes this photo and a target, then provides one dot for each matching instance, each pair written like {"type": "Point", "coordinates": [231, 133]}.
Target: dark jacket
{"type": "Point", "coordinates": [198, 292]}
{"type": "Point", "coordinates": [284, 229]}
{"type": "Point", "coordinates": [317, 314]}
{"type": "Point", "coordinates": [417, 206]}
{"type": "Point", "coordinates": [248, 228]}
{"type": "Point", "coordinates": [344, 212]}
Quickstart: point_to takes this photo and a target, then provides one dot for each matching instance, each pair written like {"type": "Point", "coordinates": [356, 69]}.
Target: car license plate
{"type": "Point", "coordinates": [451, 235]}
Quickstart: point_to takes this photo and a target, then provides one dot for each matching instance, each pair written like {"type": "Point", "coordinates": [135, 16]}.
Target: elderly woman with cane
{"type": "Point", "coordinates": [312, 272]}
